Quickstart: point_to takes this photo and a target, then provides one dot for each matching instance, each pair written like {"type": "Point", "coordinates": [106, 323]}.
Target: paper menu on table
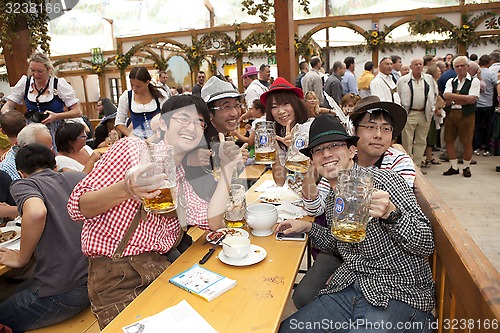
{"type": "Point", "coordinates": [266, 185]}
{"type": "Point", "coordinates": [180, 318]}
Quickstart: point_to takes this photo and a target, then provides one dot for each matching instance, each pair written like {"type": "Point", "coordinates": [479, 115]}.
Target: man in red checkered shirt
{"type": "Point", "coordinates": [107, 201]}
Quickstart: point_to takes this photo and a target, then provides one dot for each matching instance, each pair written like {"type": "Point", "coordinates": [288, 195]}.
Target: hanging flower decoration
{"type": "Point", "coordinates": [194, 53]}
{"type": "Point", "coordinates": [122, 61]}
{"type": "Point", "coordinates": [304, 47]}
{"type": "Point", "coordinates": [238, 49]}
{"type": "Point", "coordinates": [464, 34]}
{"type": "Point", "coordinates": [374, 38]}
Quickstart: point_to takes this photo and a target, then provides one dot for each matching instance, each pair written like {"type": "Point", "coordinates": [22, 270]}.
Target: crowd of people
{"type": "Point", "coordinates": [333, 121]}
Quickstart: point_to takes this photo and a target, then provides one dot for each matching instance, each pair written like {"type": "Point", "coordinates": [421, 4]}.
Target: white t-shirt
{"type": "Point", "coordinates": [64, 162]}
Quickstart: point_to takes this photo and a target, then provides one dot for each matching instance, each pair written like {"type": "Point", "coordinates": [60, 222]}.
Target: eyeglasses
{"type": "Point", "coordinates": [187, 122]}
{"type": "Point", "coordinates": [374, 128]}
{"type": "Point", "coordinates": [334, 146]}
{"type": "Point", "coordinates": [227, 108]}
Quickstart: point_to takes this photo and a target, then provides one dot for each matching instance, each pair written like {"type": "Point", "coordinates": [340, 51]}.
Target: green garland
{"type": "Point", "coordinates": [463, 34]}
{"type": "Point", "coordinates": [122, 61]}
{"type": "Point", "coordinates": [194, 53]}
{"type": "Point", "coordinates": [14, 22]}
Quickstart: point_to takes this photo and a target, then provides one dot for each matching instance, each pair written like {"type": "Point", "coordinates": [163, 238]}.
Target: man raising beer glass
{"type": "Point", "coordinates": [123, 242]}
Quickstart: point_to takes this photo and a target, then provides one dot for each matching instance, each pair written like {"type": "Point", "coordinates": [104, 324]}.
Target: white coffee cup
{"type": "Point", "coordinates": [236, 247]}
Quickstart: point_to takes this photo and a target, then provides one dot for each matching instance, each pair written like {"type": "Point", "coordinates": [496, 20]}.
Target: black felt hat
{"type": "Point", "coordinates": [327, 128]}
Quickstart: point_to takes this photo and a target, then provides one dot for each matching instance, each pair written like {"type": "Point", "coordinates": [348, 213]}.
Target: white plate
{"type": "Point", "coordinates": [257, 254]}
{"type": "Point", "coordinates": [237, 232]}
{"type": "Point", "coordinates": [278, 195]}
{"type": "Point", "coordinates": [16, 229]}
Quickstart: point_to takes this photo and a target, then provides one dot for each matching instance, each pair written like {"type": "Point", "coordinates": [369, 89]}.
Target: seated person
{"type": "Point", "coordinates": [59, 289]}
{"type": "Point", "coordinates": [107, 123]}
{"type": "Point", "coordinates": [108, 201]}
{"type": "Point", "coordinates": [74, 154]}
{"type": "Point", "coordinates": [258, 112]}
{"type": "Point", "coordinates": [8, 209]}
{"type": "Point", "coordinates": [376, 129]}
{"type": "Point", "coordinates": [387, 277]}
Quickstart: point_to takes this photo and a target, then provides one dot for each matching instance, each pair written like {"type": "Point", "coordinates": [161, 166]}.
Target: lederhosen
{"type": "Point", "coordinates": [55, 105]}
{"type": "Point", "coordinates": [141, 121]}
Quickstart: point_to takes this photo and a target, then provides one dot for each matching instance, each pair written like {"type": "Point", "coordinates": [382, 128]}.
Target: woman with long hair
{"type": "Point", "coordinates": [285, 106]}
{"type": "Point", "coordinates": [141, 104]}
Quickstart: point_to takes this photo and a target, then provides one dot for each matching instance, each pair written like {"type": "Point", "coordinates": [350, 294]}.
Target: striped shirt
{"type": "Point", "coordinates": [102, 233]}
{"type": "Point", "coordinates": [393, 159]}
{"type": "Point", "coordinates": [391, 263]}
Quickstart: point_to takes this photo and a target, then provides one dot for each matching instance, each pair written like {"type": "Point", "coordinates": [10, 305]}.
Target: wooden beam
{"type": "Point", "coordinates": [285, 49]}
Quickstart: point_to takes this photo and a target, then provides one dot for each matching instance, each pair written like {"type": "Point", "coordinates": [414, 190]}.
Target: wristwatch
{"type": "Point", "coordinates": [393, 217]}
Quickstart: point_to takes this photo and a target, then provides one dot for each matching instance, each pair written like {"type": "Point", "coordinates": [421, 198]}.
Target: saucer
{"type": "Point", "coordinates": [257, 254]}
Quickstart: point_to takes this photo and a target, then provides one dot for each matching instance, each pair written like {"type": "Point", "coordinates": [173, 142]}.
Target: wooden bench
{"type": "Point", "coordinates": [467, 284]}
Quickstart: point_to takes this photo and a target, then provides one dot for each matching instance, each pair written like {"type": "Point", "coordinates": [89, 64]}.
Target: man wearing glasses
{"type": "Point", "coordinates": [376, 124]}
{"type": "Point", "coordinates": [386, 279]}
{"type": "Point", "coordinates": [224, 103]}
{"type": "Point", "coordinates": [200, 81]}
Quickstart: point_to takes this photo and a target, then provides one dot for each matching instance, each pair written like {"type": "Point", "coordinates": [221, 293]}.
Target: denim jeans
{"type": "Point", "coordinates": [348, 311]}
{"type": "Point", "coordinates": [26, 311]}
{"type": "Point", "coordinates": [315, 279]}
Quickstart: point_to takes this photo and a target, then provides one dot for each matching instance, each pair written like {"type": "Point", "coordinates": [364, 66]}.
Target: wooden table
{"type": "Point", "coordinates": [254, 305]}
{"type": "Point", "coordinates": [253, 171]}
{"type": "Point", "coordinates": [4, 269]}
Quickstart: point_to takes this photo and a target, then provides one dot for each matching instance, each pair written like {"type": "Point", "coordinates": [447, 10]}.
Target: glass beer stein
{"type": "Point", "coordinates": [234, 216]}
{"type": "Point", "coordinates": [163, 158]}
{"type": "Point", "coordinates": [265, 143]}
{"type": "Point", "coordinates": [295, 160]}
{"type": "Point", "coordinates": [351, 214]}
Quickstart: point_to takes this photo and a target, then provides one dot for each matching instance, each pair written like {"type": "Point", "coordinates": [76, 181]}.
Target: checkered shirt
{"type": "Point", "coordinates": [393, 159]}
{"type": "Point", "coordinates": [9, 165]}
{"type": "Point", "coordinates": [392, 262]}
{"type": "Point", "coordinates": [102, 233]}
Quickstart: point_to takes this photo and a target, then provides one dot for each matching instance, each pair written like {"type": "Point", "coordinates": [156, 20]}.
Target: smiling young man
{"type": "Point", "coordinates": [384, 279]}
{"type": "Point", "coordinates": [376, 124]}
{"type": "Point", "coordinates": [108, 201]}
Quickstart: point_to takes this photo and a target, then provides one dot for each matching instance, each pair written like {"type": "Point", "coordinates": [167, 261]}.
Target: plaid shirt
{"type": "Point", "coordinates": [391, 263]}
{"type": "Point", "coordinates": [392, 159]}
{"type": "Point", "coordinates": [9, 164]}
{"type": "Point", "coordinates": [102, 233]}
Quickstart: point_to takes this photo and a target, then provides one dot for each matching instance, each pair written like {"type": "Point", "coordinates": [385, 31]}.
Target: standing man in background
{"type": "Point", "coordinates": [349, 83]}
{"type": "Point", "coordinates": [200, 81]}
{"type": "Point", "coordinates": [383, 85]}
{"type": "Point", "coordinates": [312, 80]}
{"type": "Point", "coordinates": [304, 68]}
{"type": "Point", "coordinates": [163, 77]}
{"type": "Point", "coordinates": [462, 92]}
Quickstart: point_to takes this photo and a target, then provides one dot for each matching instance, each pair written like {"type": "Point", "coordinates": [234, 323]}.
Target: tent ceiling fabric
{"type": "Point", "coordinates": [87, 22]}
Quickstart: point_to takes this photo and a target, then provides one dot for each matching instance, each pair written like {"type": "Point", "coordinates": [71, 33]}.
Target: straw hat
{"type": "Point", "coordinates": [215, 89]}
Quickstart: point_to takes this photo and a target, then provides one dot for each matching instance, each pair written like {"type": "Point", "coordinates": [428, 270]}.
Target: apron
{"type": "Point", "coordinates": [141, 121]}
{"type": "Point", "coordinates": [55, 105]}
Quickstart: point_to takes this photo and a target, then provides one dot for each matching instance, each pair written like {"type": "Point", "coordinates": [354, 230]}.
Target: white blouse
{"type": "Point", "coordinates": [64, 90]}
{"type": "Point", "coordinates": [65, 162]}
{"type": "Point", "coordinates": [123, 110]}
